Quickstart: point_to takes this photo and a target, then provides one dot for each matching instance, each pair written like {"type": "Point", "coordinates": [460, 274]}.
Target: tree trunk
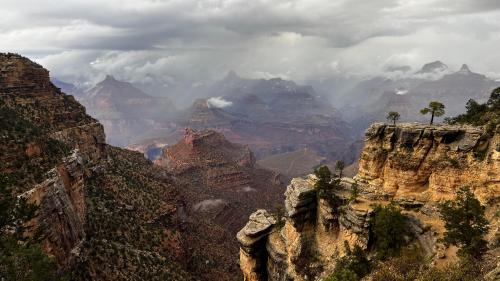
{"type": "Point", "coordinates": [394, 122]}
{"type": "Point", "coordinates": [432, 118]}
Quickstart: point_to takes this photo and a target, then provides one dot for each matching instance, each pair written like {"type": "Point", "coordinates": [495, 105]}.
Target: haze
{"type": "Point", "coordinates": [186, 42]}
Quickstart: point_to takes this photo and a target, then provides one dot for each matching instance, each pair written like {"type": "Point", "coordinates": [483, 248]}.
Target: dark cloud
{"type": "Point", "coordinates": [189, 40]}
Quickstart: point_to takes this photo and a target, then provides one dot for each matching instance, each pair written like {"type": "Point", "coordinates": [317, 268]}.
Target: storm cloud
{"type": "Point", "coordinates": [188, 41]}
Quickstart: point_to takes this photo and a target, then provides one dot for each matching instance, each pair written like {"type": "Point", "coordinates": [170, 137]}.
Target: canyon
{"type": "Point", "coordinates": [106, 213]}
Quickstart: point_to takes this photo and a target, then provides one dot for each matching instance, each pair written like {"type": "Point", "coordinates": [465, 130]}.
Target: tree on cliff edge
{"type": "Point", "coordinates": [465, 224]}
{"type": "Point", "coordinates": [325, 183]}
{"type": "Point", "coordinates": [339, 166]}
{"type": "Point", "coordinates": [435, 109]}
{"type": "Point", "coordinates": [393, 116]}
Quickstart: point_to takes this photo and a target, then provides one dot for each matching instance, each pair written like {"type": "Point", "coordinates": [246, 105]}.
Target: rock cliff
{"type": "Point", "coordinates": [427, 163]}
{"type": "Point", "coordinates": [413, 165]}
{"type": "Point", "coordinates": [46, 139]}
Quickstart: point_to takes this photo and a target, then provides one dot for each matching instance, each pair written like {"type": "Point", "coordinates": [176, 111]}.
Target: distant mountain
{"type": "Point", "coordinates": [433, 67]}
{"type": "Point", "coordinates": [127, 113]}
{"type": "Point", "coordinates": [369, 100]}
{"type": "Point", "coordinates": [68, 88]}
{"type": "Point", "coordinates": [455, 89]}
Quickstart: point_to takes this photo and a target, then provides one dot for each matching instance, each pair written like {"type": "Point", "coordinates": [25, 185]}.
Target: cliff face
{"type": "Point", "coordinates": [46, 139]}
{"type": "Point", "coordinates": [62, 212]}
{"type": "Point", "coordinates": [309, 240]}
{"type": "Point", "coordinates": [25, 87]}
{"type": "Point", "coordinates": [412, 165]}
{"type": "Point", "coordinates": [422, 162]}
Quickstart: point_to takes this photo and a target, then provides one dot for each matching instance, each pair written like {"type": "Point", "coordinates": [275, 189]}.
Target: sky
{"type": "Point", "coordinates": [188, 41]}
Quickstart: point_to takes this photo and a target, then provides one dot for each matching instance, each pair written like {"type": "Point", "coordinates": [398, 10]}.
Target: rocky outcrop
{"type": "Point", "coordinates": [412, 165]}
{"type": "Point", "coordinates": [426, 163]}
{"type": "Point", "coordinates": [252, 239]}
{"type": "Point", "coordinates": [222, 165]}
{"type": "Point", "coordinates": [304, 243]}
{"type": "Point", "coordinates": [62, 213]}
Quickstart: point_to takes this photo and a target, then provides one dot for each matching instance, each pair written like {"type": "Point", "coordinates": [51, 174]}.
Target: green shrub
{"type": "Point", "coordinates": [20, 260]}
{"type": "Point", "coordinates": [389, 230]}
{"type": "Point", "coordinates": [465, 223]}
{"type": "Point", "coordinates": [353, 266]}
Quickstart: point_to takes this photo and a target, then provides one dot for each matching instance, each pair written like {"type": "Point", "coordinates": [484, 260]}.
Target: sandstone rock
{"type": "Point", "coordinates": [223, 164]}
{"type": "Point", "coordinates": [300, 197]}
{"type": "Point", "coordinates": [428, 162]}
{"type": "Point", "coordinates": [252, 239]}
{"type": "Point", "coordinates": [62, 208]}
{"type": "Point", "coordinates": [259, 225]}
{"type": "Point", "coordinates": [260, 222]}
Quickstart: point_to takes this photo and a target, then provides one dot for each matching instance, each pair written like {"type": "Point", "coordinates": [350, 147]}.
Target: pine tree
{"type": "Point", "coordinates": [435, 109]}
{"type": "Point", "coordinates": [465, 224]}
{"type": "Point", "coordinates": [389, 229]}
{"type": "Point", "coordinates": [393, 116]}
{"type": "Point", "coordinates": [339, 166]}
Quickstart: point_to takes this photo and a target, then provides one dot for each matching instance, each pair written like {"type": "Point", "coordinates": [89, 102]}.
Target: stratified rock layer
{"type": "Point", "coordinates": [252, 239]}
{"type": "Point", "coordinates": [222, 164]}
{"type": "Point", "coordinates": [423, 162]}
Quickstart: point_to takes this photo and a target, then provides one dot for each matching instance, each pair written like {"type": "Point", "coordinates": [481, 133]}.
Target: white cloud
{"type": "Point", "coordinates": [218, 102]}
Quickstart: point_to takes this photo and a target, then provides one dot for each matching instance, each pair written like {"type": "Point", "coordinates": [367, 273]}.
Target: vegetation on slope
{"type": "Point", "coordinates": [481, 114]}
{"type": "Point", "coordinates": [392, 260]}
{"type": "Point", "coordinates": [17, 136]}
{"type": "Point", "coordinates": [21, 259]}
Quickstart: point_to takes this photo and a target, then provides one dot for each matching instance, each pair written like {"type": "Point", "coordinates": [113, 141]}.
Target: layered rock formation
{"type": "Point", "coordinates": [62, 214]}
{"type": "Point", "coordinates": [422, 162]}
{"type": "Point", "coordinates": [306, 243]}
{"type": "Point", "coordinates": [270, 116]}
{"type": "Point", "coordinates": [222, 164]}
{"type": "Point", "coordinates": [25, 86]}
{"type": "Point", "coordinates": [230, 185]}
{"type": "Point", "coordinates": [413, 165]}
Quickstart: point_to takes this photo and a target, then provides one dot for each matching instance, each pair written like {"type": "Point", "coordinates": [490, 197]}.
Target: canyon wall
{"type": "Point", "coordinates": [48, 140]}
{"type": "Point", "coordinates": [429, 162]}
